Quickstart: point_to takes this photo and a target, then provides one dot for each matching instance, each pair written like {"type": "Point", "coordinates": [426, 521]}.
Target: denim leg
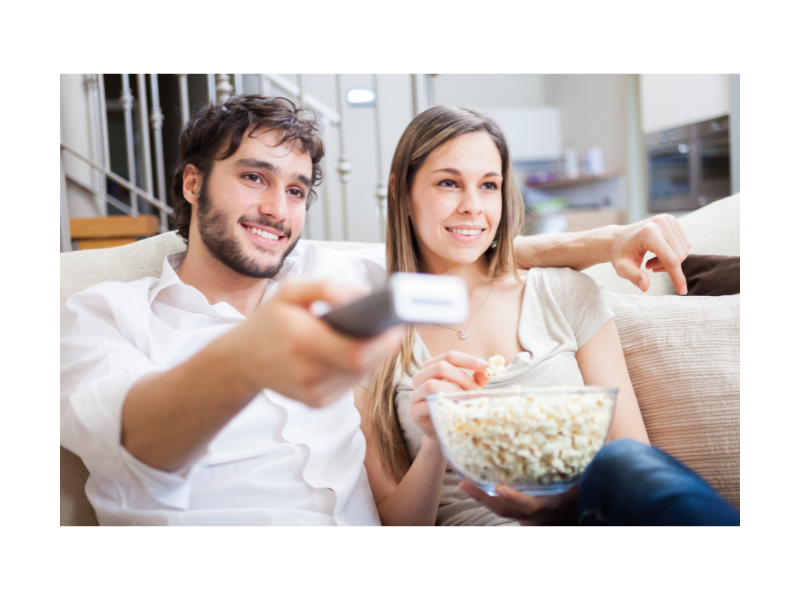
{"type": "Point", "coordinates": [629, 483]}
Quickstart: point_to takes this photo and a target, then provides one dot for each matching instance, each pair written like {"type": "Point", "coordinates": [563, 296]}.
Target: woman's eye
{"type": "Point", "coordinates": [490, 185]}
{"type": "Point", "coordinates": [447, 183]}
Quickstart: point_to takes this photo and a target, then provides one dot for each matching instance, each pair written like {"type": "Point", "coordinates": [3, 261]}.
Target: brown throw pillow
{"type": "Point", "coordinates": [711, 275]}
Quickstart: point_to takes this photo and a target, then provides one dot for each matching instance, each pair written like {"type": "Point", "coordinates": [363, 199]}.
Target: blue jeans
{"type": "Point", "coordinates": [629, 483]}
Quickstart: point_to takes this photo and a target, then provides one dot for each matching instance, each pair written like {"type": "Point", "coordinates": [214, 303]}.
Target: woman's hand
{"type": "Point", "coordinates": [663, 236]}
{"type": "Point", "coordinates": [443, 374]}
{"type": "Point", "coordinates": [558, 509]}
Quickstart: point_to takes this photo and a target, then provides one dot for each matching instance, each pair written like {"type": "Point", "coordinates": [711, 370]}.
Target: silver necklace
{"type": "Point", "coordinates": [464, 331]}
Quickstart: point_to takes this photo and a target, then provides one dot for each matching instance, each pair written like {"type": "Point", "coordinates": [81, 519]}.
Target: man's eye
{"type": "Point", "coordinates": [447, 183]}
{"type": "Point", "coordinates": [252, 177]}
{"type": "Point", "coordinates": [300, 194]}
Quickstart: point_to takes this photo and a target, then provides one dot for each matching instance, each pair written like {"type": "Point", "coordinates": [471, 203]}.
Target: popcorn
{"type": "Point", "coordinates": [497, 366]}
{"type": "Point", "coordinates": [521, 440]}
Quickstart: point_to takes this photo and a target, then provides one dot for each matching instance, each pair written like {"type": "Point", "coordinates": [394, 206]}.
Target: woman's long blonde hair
{"type": "Point", "coordinates": [424, 134]}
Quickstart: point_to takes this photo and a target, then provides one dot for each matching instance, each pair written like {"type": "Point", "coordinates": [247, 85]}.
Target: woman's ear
{"type": "Point", "coordinates": [192, 183]}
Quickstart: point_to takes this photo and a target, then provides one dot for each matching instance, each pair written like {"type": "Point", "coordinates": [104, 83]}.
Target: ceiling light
{"type": "Point", "coordinates": [361, 97]}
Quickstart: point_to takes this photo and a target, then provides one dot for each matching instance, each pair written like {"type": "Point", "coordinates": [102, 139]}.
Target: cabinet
{"type": "Point", "coordinates": [674, 100]}
{"type": "Point", "coordinates": [567, 205]}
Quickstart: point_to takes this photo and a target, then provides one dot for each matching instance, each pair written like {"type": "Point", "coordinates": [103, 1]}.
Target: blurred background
{"type": "Point", "coordinates": [588, 150]}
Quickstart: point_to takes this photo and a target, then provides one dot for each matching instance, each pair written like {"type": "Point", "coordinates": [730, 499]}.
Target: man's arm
{"type": "Point", "coordinates": [624, 246]}
{"type": "Point", "coordinates": [169, 418]}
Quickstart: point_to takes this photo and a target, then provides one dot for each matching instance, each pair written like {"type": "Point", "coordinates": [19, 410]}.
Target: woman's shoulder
{"type": "Point", "coordinates": [563, 285]}
{"type": "Point", "coordinates": [561, 276]}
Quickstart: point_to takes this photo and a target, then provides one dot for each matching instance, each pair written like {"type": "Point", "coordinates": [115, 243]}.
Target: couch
{"type": "Point", "coordinates": [682, 352]}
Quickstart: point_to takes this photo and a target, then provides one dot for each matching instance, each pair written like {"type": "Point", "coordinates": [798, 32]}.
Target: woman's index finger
{"type": "Point", "coordinates": [461, 360]}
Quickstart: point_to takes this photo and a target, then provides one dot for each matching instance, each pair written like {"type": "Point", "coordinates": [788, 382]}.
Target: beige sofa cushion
{"type": "Point", "coordinates": [82, 269]}
{"type": "Point", "coordinates": [683, 359]}
{"type": "Point", "coordinates": [713, 229]}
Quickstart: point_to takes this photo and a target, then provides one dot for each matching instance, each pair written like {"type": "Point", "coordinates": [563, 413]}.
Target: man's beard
{"type": "Point", "coordinates": [223, 245]}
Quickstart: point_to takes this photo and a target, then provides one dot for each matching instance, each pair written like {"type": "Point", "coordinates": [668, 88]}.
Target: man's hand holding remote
{"type": "Point", "coordinates": [169, 418]}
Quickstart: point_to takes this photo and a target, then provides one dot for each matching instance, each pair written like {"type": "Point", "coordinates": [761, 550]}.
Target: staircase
{"type": "Point", "coordinates": [116, 161]}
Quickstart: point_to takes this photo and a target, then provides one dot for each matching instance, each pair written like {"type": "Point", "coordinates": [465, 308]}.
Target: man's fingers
{"type": "Point", "coordinates": [362, 355]}
{"type": "Point", "coordinates": [313, 339]}
{"type": "Point", "coordinates": [327, 389]}
{"type": "Point", "coordinates": [305, 293]}
{"type": "Point", "coordinates": [376, 350]}
{"type": "Point", "coordinates": [333, 363]}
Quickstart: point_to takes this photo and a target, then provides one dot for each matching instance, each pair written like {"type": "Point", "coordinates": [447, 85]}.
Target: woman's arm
{"type": "Point", "coordinates": [602, 363]}
{"type": "Point", "coordinates": [415, 500]}
{"type": "Point", "coordinates": [624, 246]}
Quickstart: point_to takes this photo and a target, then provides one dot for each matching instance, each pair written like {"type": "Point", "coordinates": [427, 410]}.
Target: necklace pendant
{"type": "Point", "coordinates": [463, 334]}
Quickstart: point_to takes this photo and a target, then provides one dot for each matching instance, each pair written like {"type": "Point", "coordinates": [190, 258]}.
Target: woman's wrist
{"type": "Point", "coordinates": [595, 246]}
{"type": "Point", "coordinates": [604, 240]}
{"type": "Point", "coordinates": [431, 447]}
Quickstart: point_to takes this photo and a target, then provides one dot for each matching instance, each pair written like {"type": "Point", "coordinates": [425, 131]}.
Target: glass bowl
{"type": "Point", "coordinates": [537, 440]}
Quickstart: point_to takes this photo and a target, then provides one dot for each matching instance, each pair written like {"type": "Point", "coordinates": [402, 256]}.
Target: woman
{"type": "Point", "coordinates": [454, 209]}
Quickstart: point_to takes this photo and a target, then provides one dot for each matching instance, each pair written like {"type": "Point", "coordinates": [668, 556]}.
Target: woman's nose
{"type": "Point", "coordinates": [470, 204]}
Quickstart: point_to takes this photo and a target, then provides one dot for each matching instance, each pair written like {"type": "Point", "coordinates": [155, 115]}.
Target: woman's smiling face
{"type": "Point", "coordinates": [456, 201]}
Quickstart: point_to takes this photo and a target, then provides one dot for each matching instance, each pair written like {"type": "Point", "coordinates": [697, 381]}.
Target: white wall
{"type": "Point", "coordinates": [360, 146]}
{"type": "Point", "coordinates": [485, 91]}
{"type": "Point", "coordinates": [674, 100]}
{"type": "Point", "coordinates": [592, 113]}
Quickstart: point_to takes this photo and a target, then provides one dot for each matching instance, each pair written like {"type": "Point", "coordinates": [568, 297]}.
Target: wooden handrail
{"type": "Point", "coordinates": [113, 227]}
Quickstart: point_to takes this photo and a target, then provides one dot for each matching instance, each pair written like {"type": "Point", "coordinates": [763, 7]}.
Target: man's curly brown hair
{"type": "Point", "coordinates": [203, 137]}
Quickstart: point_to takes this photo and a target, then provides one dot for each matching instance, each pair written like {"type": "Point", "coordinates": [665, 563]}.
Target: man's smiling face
{"type": "Point", "coordinates": [252, 206]}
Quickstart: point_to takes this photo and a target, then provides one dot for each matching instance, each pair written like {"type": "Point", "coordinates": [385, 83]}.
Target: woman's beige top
{"type": "Point", "coordinates": [561, 310]}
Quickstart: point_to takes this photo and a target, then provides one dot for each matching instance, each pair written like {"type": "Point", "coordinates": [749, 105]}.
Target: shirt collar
{"type": "Point", "coordinates": [169, 277]}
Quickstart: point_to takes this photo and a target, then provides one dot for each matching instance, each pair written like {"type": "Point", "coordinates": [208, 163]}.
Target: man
{"type": "Point", "coordinates": [211, 395]}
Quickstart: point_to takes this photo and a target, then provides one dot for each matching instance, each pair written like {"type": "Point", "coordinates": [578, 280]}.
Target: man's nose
{"type": "Point", "coordinates": [273, 204]}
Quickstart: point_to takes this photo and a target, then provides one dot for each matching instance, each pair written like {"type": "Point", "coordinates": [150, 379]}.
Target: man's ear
{"type": "Point", "coordinates": [192, 182]}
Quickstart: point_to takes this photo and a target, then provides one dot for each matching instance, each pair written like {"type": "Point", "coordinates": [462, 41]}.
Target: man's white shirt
{"type": "Point", "coordinates": [278, 462]}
